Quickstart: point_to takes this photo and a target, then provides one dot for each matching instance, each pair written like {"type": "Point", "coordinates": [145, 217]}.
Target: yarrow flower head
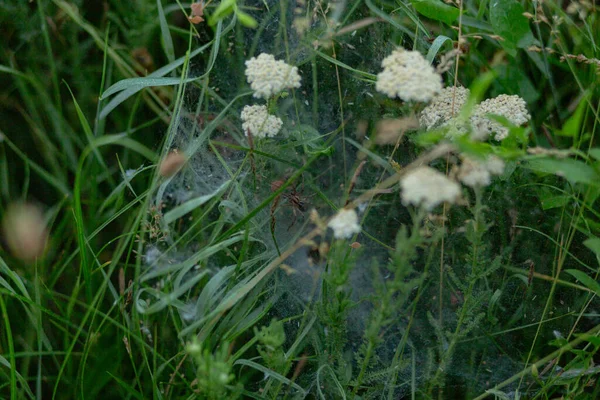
{"type": "Point", "coordinates": [407, 75]}
{"type": "Point", "coordinates": [268, 77]}
{"type": "Point", "coordinates": [512, 108]}
{"type": "Point", "coordinates": [344, 224]}
{"type": "Point", "coordinates": [427, 187]}
{"type": "Point", "coordinates": [444, 107]}
{"type": "Point", "coordinates": [476, 173]}
{"type": "Point", "coordinates": [257, 120]}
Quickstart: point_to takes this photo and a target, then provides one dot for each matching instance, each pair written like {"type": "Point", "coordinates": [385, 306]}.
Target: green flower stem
{"type": "Point", "coordinates": [478, 223]}
{"type": "Point", "coordinates": [372, 332]}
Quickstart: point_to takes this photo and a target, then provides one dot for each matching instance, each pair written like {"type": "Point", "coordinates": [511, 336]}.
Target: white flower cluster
{"type": "Point", "coordinates": [344, 224]}
{"type": "Point", "coordinates": [268, 77]}
{"type": "Point", "coordinates": [512, 108]}
{"type": "Point", "coordinates": [257, 120]}
{"type": "Point", "coordinates": [427, 187]}
{"type": "Point", "coordinates": [444, 107]}
{"type": "Point", "coordinates": [406, 74]}
{"type": "Point", "coordinates": [476, 173]}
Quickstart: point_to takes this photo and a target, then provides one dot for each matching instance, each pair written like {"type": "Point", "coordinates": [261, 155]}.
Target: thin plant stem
{"type": "Point", "coordinates": [456, 336]}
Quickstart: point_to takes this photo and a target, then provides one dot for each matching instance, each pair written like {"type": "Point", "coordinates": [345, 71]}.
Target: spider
{"type": "Point", "coordinates": [293, 197]}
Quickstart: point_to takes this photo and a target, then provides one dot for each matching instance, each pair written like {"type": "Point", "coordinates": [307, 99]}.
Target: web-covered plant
{"type": "Point", "coordinates": [337, 212]}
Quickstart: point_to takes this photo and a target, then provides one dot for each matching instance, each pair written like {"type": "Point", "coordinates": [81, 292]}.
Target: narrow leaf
{"type": "Point", "coordinates": [166, 39]}
{"type": "Point", "coordinates": [554, 201]}
{"type": "Point", "coordinates": [436, 46]}
{"type": "Point", "coordinates": [191, 205]}
{"type": "Point", "coordinates": [572, 126]}
{"type": "Point", "coordinates": [588, 282]}
{"type": "Point", "coordinates": [574, 171]}
{"type": "Point", "coordinates": [268, 372]}
{"type": "Point", "coordinates": [87, 130]}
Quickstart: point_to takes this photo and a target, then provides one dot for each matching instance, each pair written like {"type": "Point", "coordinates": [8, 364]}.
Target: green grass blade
{"type": "Point", "coordinates": [272, 374]}
{"type": "Point", "coordinates": [192, 204]}
{"type": "Point", "coordinates": [166, 39]}
{"type": "Point", "coordinates": [87, 129]}
{"type": "Point", "coordinates": [11, 350]}
{"type": "Point", "coordinates": [588, 282]}
{"type": "Point", "coordinates": [345, 66]}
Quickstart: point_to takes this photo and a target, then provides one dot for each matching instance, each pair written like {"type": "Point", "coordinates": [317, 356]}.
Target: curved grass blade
{"type": "Point", "coordinates": [588, 282]}
{"type": "Point", "coordinates": [192, 204]}
{"type": "Point", "coordinates": [436, 46]}
{"type": "Point", "coordinates": [166, 39]}
{"type": "Point", "coordinates": [346, 66]}
{"type": "Point", "coordinates": [131, 86]}
{"type": "Point", "coordinates": [386, 17]}
{"type": "Point", "coordinates": [271, 373]}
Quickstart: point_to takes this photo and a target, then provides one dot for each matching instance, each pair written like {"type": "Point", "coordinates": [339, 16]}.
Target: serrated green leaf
{"type": "Point", "coordinates": [574, 171]}
{"type": "Point", "coordinates": [437, 10]}
{"type": "Point", "coordinates": [588, 282]}
{"type": "Point", "coordinates": [508, 22]}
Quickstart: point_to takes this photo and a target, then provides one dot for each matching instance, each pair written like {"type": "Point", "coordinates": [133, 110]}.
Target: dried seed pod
{"type": "Point", "coordinates": [197, 13]}
{"type": "Point", "coordinates": [171, 164]}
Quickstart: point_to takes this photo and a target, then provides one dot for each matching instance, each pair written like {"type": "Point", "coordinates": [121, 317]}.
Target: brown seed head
{"type": "Point", "coordinates": [390, 130]}
{"type": "Point", "coordinates": [275, 185]}
{"type": "Point", "coordinates": [142, 56]}
{"type": "Point", "coordinates": [24, 228]}
{"type": "Point", "coordinates": [171, 164]}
